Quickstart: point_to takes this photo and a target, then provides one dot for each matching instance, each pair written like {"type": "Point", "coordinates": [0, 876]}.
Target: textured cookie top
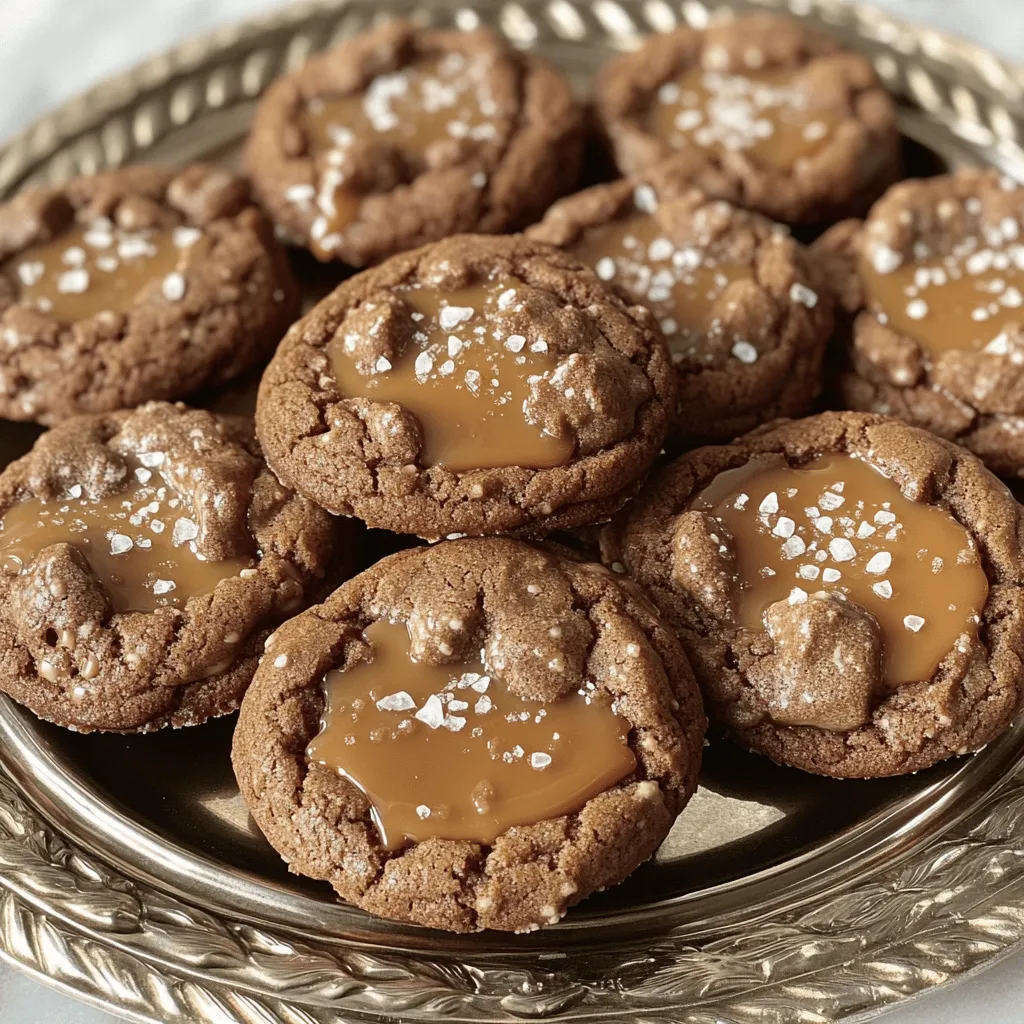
{"type": "Point", "coordinates": [478, 385]}
{"type": "Point", "coordinates": [402, 135]}
{"type": "Point", "coordinates": [540, 635]}
{"type": "Point", "coordinates": [143, 552]}
{"type": "Point", "coordinates": [848, 587]}
{"type": "Point", "coordinates": [744, 315]}
{"type": "Point", "coordinates": [134, 284]}
{"type": "Point", "coordinates": [935, 279]}
{"type": "Point", "coordinates": [798, 126]}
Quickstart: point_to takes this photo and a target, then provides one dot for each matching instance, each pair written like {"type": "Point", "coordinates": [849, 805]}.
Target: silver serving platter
{"type": "Point", "coordinates": [131, 875]}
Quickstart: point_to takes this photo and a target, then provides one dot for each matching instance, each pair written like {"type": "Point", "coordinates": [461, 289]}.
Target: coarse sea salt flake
{"type": "Point", "coordinates": [173, 287]}
{"type": "Point", "coordinates": [801, 293]}
{"type": "Point", "coordinates": [432, 712]}
{"type": "Point", "coordinates": [793, 548]}
{"type": "Point", "coordinates": [120, 543]}
{"type": "Point", "coordinates": [400, 701]}
{"type": "Point", "coordinates": [451, 316]}
{"type": "Point", "coordinates": [841, 549]}
{"type": "Point", "coordinates": [744, 352]}
{"type": "Point", "coordinates": [784, 527]}
{"type": "Point", "coordinates": [879, 563]}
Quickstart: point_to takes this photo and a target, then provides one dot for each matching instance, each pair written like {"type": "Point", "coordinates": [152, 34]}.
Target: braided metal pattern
{"type": "Point", "coordinates": [936, 913]}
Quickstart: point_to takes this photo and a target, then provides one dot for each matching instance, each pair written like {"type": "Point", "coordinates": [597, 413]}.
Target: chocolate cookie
{"type": "Point", "coordinates": [475, 386]}
{"type": "Point", "coordinates": [472, 735]}
{"type": "Point", "coordinates": [146, 556]}
{"type": "Point", "coordinates": [848, 589]}
{"type": "Point", "coordinates": [744, 313]}
{"type": "Point", "coordinates": [801, 129]}
{"type": "Point", "coordinates": [405, 135]}
{"type": "Point", "coordinates": [135, 284]}
{"type": "Point", "coordinates": [933, 284]}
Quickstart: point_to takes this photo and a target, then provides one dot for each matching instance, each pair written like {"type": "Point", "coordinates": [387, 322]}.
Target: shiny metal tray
{"type": "Point", "coordinates": [131, 875]}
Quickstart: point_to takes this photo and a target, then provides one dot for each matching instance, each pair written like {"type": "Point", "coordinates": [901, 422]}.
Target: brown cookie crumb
{"type": "Point", "coordinates": [815, 657]}
{"type": "Point", "coordinates": [942, 356]}
{"type": "Point", "coordinates": [801, 130]}
{"type": "Point", "coordinates": [135, 284]}
{"type": "Point", "coordinates": [745, 315]}
{"type": "Point", "coordinates": [71, 647]}
{"type": "Point", "coordinates": [403, 135]}
{"type": "Point", "coordinates": [590, 380]}
{"type": "Point", "coordinates": [531, 873]}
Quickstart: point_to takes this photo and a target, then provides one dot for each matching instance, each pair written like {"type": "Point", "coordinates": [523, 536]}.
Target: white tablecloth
{"type": "Point", "coordinates": [51, 49]}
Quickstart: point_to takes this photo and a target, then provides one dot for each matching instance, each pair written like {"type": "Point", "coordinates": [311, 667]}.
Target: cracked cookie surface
{"type": "Point", "coordinates": [848, 589]}
{"type": "Point", "coordinates": [404, 135]}
{"type": "Point", "coordinates": [793, 126]}
{"type": "Point", "coordinates": [932, 286]}
{"type": "Point", "coordinates": [743, 311]}
{"type": "Point", "coordinates": [135, 284]}
{"type": "Point", "coordinates": [479, 385]}
{"type": "Point", "coordinates": [544, 627]}
{"type": "Point", "coordinates": [146, 556]}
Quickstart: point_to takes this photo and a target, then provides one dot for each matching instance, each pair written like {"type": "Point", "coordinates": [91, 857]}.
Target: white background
{"type": "Point", "coordinates": [51, 49]}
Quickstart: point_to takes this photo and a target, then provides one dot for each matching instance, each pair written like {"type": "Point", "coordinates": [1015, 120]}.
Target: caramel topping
{"type": "Point", "coordinates": [140, 542]}
{"type": "Point", "coordinates": [97, 267]}
{"type": "Point", "coordinates": [838, 525]}
{"type": "Point", "coordinates": [965, 300]}
{"type": "Point", "coordinates": [446, 751]}
{"type": "Point", "coordinates": [679, 283]}
{"type": "Point", "coordinates": [433, 102]}
{"type": "Point", "coordinates": [463, 378]}
{"type": "Point", "coordinates": [771, 115]}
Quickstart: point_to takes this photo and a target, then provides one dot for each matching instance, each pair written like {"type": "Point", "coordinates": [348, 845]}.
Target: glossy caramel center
{"type": "Point", "coordinates": [679, 283]}
{"type": "Point", "coordinates": [97, 267]}
{"type": "Point", "coordinates": [464, 379]}
{"type": "Point", "coordinates": [432, 102]}
{"type": "Point", "coordinates": [447, 751]}
{"type": "Point", "coordinates": [965, 300]}
{"type": "Point", "coordinates": [140, 542]}
{"type": "Point", "coordinates": [770, 115]}
{"type": "Point", "coordinates": [837, 524]}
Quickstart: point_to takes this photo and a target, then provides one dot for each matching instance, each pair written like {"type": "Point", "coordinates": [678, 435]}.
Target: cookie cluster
{"type": "Point", "coordinates": [580, 444]}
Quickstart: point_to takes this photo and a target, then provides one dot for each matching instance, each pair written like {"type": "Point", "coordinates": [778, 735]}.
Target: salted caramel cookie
{"type": "Point", "coordinates": [744, 313]}
{"type": "Point", "coordinates": [478, 385]}
{"type": "Point", "coordinates": [404, 135]}
{"type": "Point", "coordinates": [933, 287]}
{"type": "Point", "coordinates": [802, 130]}
{"type": "Point", "coordinates": [136, 284]}
{"type": "Point", "coordinates": [848, 589]}
{"type": "Point", "coordinates": [472, 735]}
{"type": "Point", "coordinates": [145, 557]}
